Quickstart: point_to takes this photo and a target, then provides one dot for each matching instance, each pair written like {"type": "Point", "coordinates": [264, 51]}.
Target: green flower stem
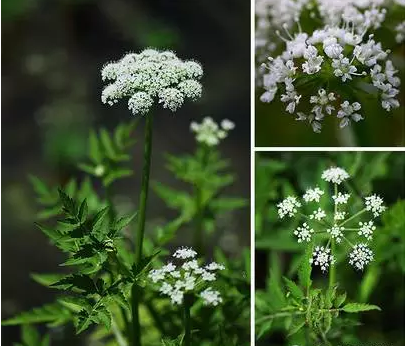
{"type": "Point", "coordinates": [323, 223]}
{"type": "Point", "coordinates": [332, 273]}
{"type": "Point", "coordinates": [187, 321]}
{"type": "Point", "coordinates": [353, 217]}
{"type": "Point", "coordinates": [199, 207]}
{"type": "Point", "coordinates": [136, 290]}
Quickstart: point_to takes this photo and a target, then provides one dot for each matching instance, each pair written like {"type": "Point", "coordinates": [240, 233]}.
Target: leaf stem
{"type": "Point", "coordinates": [135, 292]}
{"type": "Point", "coordinates": [332, 273]}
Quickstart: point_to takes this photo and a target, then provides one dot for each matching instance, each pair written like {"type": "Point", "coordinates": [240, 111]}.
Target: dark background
{"type": "Point", "coordinates": [52, 55]}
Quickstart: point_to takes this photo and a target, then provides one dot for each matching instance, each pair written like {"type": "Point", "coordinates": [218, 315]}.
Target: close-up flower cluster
{"type": "Point", "coordinates": [340, 225]}
{"type": "Point", "coordinates": [187, 276]}
{"type": "Point", "coordinates": [329, 70]}
{"type": "Point", "coordinates": [209, 132]}
{"type": "Point", "coordinates": [142, 78]}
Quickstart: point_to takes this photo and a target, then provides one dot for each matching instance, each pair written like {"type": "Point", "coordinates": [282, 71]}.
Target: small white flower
{"type": "Point", "coordinates": [176, 297]}
{"type": "Point", "coordinates": [322, 104]}
{"type": "Point", "coordinates": [211, 297]}
{"type": "Point", "coordinates": [227, 125]}
{"type": "Point", "coordinates": [367, 229]}
{"type": "Point", "coordinates": [335, 175]}
{"type": "Point", "coordinates": [168, 268]}
{"type": "Point", "coordinates": [288, 207]}
{"type": "Point", "coordinates": [343, 68]}
{"type": "Point", "coordinates": [318, 214]}
{"type": "Point", "coordinates": [184, 253]}
{"type": "Point", "coordinates": [313, 60]}
{"type": "Point", "coordinates": [208, 276]}
{"type": "Point", "coordinates": [340, 215]}
{"type": "Point", "coordinates": [336, 232]}
{"type": "Point", "coordinates": [400, 30]}
{"type": "Point", "coordinates": [166, 288]}
{"type": "Point", "coordinates": [321, 257]}
{"type": "Point", "coordinates": [156, 275]}
{"type": "Point", "coordinates": [341, 198]}
{"type": "Point", "coordinates": [348, 112]}
{"type": "Point", "coordinates": [190, 265]}
{"type": "Point", "coordinates": [214, 266]}
{"type": "Point", "coordinates": [313, 194]}
{"type": "Point", "coordinates": [209, 132]}
{"type": "Point", "coordinates": [360, 256]}
{"type": "Point", "coordinates": [374, 204]}
{"type": "Point", "coordinates": [291, 97]}
{"type": "Point", "coordinates": [304, 233]}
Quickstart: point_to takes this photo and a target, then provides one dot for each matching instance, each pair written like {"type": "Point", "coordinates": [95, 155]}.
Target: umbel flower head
{"type": "Point", "coordinates": [211, 133]}
{"type": "Point", "coordinates": [321, 227]}
{"type": "Point", "coordinates": [187, 276]}
{"type": "Point", "coordinates": [151, 75]}
{"type": "Point", "coordinates": [317, 71]}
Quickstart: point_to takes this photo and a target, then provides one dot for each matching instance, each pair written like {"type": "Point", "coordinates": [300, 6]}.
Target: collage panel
{"type": "Point", "coordinates": [328, 73]}
{"type": "Point", "coordinates": [329, 248]}
{"type": "Point", "coordinates": [126, 173]}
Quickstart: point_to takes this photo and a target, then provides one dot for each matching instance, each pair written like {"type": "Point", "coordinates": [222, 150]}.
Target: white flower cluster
{"type": "Point", "coordinates": [337, 57]}
{"type": "Point", "coordinates": [322, 257]}
{"type": "Point", "coordinates": [211, 133]}
{"type": "Point", "coordinates": [187, 277]}
{"type": "Point", "coordinates": [148, 75]}
{"type": "Point", "coordinates": [335, 226]}
{"type": "Point", "coordinates": [335, 175]}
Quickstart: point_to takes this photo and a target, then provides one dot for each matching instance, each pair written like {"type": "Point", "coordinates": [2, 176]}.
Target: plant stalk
{"type": "Point", "coordinates": [187, 321]}
{"type": "Point", "coordinates": [135, 292]}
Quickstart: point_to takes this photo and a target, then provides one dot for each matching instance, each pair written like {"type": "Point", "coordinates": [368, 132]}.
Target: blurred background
{"type": "Point", "coordinates": [52, 55]}
{"type": "Point", "coordinates": [280, 174]}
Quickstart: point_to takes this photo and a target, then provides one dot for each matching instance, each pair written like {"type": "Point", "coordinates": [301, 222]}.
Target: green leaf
{"type": "Point", "coordinates": [30, 336]}
{"type": "Point", "coordinates": [264, 329]}
{"type": "Point", "coordinates": [294, 289]}
{"type": "Point", "coordinates": [107, 144]}
{"type": "Point", "coordinates": [80, 282]}
{"type": "Point", "coordinates": [46, 279]}
{"type": "Point", "coordinates": [296, 328]}
{"type": "Point", "coordinates": [124, 221]}
{"type": "Point", "coordinates": [83, 210]}
{"type": "Point", "coordinates": [94, 148]}
{"type": "Point", "coordinates": [304, 271]}
{"type": "Point", "coordinates": [54, 313]}
{"type": "Point", "coordinates": [69, 205]}
{"type": "Point", "coordinates": [116, 174]}
{"type": "Point", "coordinates": [138, 269]}
{"type": "Point", "coordinates": [275, 290]}
{"type": "Point", "coordinates": [359, 307]}
{"type": "Point", "coordinates": [340, 299]}
{"type": "Point", "coordinates": [39, 186]}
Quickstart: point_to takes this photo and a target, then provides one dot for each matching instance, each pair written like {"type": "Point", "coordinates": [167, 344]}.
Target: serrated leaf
{"type": "Point", "coordinates": [80, 282]}
{"type": "Point", "coordinates": [54, 313]}
{"type": "Point", "coordinates": [69, 205]}
{"type": "Point", "coordinates": [124, 221]}
{"type": "Point", "coordinates": [359, 307]}
{"type": "Point", "coordinates": [294, 289]}
{"type": "Point", "coordinates": [304, 271]}
{"type": "Point", "coordinates": [83, 210]}
{"type": "Point", "coordinates": [296, 328]}
{"type": "Point", "coordinates": [75, 302]}
{"type": "Point", "coordinates": [340, 299]}
{"type": "Point", "coordinates": [138, 269]}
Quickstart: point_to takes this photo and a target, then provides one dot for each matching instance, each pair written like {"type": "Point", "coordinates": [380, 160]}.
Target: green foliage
{"type": "Point", "coordinates": [31, 337]}
{"type": "Point", "coordinates": [206, 174]}
{"type": "Point", "coordinates": [294, 300]}
{"type": "Point", "coordinates": [109, 152]}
